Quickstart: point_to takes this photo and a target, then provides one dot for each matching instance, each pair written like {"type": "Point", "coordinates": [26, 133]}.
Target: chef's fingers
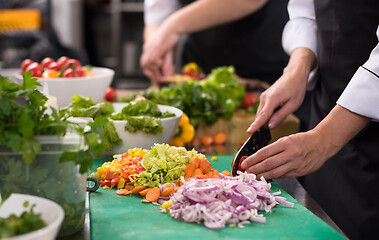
{"type": "Point", "coordinates": [168, 66]}
{"type": "Point", "coordinates": [262, 155]}
{"type": "Point", "coordinates": [278, 172]}
{"type": "Point", "coordinates": [153, 74]}
{"type": "Point", "coordinates": [264, 113]}
{"type": "Point", "coordinates": [280, 114]}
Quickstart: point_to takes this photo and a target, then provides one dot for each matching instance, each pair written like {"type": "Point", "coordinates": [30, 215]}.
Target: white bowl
{"type": "Point", "coordinates": [65, 88]}
{"type": "Point", "coordinates": [51, 213]}
{"type": "Point", "coordinates": [140, 139]}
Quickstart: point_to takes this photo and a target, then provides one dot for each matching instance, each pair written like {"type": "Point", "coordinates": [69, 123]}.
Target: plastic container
{"type": "Point", "coordinates": [46, 177]}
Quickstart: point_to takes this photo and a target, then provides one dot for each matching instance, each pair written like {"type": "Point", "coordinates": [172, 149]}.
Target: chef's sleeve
{"type": "Point", "coordinates": [156, 11]}
{"type": "Point", "coordinates": [301, 31]}
{"type": "Point", "coordinates": [362, 93]}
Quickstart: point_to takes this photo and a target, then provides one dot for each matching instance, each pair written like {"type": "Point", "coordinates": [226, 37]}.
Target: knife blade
{"type": "Point", "coordinates": [256, 141]}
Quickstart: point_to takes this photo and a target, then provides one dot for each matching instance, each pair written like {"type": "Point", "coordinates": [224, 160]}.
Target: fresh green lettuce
{"type": "Point", "coordinates": [165, 164]}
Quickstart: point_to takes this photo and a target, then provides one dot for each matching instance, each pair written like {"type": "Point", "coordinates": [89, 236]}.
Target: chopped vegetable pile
{"type": "Point", "coordinates": [228, 200]}
{"type": "Point", "coordinates": [187, 188]}
{"type": "Point", "coordinates": [122, 170]}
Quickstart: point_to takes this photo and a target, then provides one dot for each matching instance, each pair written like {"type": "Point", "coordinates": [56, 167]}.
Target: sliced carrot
{"type": "Point", "coordinates": [197, 172]}
{"type": "Point", "coordinates": [144, 192]}
{"type": "Point", "coordinates": [188, 171]}
{"type": "Point", "coordinates": [138, 189]}
{"type": "Point", "coordinates": [205, 166]}
{"type": "Point", "coordinates": [209, 174]}
{"type": "Point", "coordinates": [196, 161]}
{"type": "Point", "coordinates": [167, 191]}
{"type": "Point", "coordinates": [207, 140]}
{"type": "Point", "coordinates": [227, 173]}
{"type": "Point", "coordinates": [123, 192]}
{"type": "Point", "coordinates": [129, 187]}
{"type": "Point", "coordinates": [202, 176]}
{"type": "Point", "coordinates": [153, 195]}
{"type": "Point", "coordinates": [144, 200]}
{"type": "Point", "coordinates": [219, 138]}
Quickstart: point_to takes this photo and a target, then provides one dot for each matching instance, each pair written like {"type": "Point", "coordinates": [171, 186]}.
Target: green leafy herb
{"type": "Point", "coordinates": [219, 95]}
{"type": "Point", "coordinates": [23, 116]}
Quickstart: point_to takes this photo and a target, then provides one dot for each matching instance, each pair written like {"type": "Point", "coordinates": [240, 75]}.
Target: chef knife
{"type": "Point", "coordinates": [256, 141]}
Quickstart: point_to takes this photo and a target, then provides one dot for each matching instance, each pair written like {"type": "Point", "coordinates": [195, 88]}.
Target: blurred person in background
{"type": "Point", "coordinates": [242, 33]}
{"type": "Point", "coordinates": [338, 156]}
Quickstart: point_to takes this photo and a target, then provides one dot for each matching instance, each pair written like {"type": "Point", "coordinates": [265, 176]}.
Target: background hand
{"type": "Point", "coordinates": [156, 59]}
{"type": "Point", "coordinates": [287, 93]}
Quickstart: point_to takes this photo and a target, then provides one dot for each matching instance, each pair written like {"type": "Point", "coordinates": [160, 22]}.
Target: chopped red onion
{"type": "Point", "coordinates": [228, 200]}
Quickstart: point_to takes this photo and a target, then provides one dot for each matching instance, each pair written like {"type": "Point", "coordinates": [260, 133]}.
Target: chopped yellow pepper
{"type": "Point", "coordinates": [121, 183]}
{"type": "Point", "coordinates": [186, 132]}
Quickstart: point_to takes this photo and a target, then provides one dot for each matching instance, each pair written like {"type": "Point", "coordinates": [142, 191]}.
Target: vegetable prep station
{"type": "Point", "coordinates": [111, 214]}
{"type": "Point", "coordinates": [126, 217]}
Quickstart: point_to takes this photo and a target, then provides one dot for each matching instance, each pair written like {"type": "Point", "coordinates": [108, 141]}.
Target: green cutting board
{"type": "Point", "coordinates": [116, 217]}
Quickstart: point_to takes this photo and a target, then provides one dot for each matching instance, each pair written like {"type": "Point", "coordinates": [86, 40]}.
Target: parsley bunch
{"type": "Point", "coordinates": [23, 116]}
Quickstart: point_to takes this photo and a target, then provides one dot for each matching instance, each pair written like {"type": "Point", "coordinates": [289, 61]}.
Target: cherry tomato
{"type": "Point", "coordinates": [69, 73]}
{"type": "Point", "coordinates": [110, 94]}
{"type": "Point", "coordinates": [46, 62]}
{"type": "Point", "coordinates": [54, 66]}
{"type": "Point", "coordinates": [62, 61]}
{"type": "Point", "coordinates": [25, 64]}
{"type": "Point", "coordinates": [81, 73]}
{"type": "Point", "coordinates": [250, 99]}
{"type": "Point", "coordinates": [74, 64]}
{"type": "Point", "coordinates": [35, 69]}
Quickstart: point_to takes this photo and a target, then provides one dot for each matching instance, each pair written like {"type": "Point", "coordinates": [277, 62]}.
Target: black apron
{"type": "Point", "coordinates": [346, 187]}
{"type": "Point", "coordinates": [252, 44]}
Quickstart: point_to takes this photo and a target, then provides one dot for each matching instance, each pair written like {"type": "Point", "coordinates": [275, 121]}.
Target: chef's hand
{"type": "Point", "coordinates": [287, 93]}
{"type": "Point", "coordinates": [294, 155]}
{"type": "Point", "coordinates": [156, 58]}
{"type": "Point", "coordinates": [303, 153]}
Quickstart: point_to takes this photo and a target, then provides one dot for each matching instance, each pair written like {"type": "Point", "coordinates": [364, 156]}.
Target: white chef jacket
{"type": "Point", "coordinates": [156, 11]}
{"type": "Point", "coordinates": [362, 93]}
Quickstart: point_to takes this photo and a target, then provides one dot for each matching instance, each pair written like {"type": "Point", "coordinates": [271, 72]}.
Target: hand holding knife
{"type": "Point", "coordinates": [256, 141]}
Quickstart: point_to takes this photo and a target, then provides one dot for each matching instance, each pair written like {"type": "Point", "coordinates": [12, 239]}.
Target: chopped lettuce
{"type": "Point", "coordinates": [164, 164]}
{"type": "Point", "coordinates": [145, 123]}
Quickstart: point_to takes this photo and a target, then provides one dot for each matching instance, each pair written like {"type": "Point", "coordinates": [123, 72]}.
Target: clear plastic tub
{"type": "Point", "coordinates": [46, 177]}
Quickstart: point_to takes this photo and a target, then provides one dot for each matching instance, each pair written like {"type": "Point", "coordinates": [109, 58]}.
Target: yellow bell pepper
{"type": "Point", "coordinates": [186, 132]}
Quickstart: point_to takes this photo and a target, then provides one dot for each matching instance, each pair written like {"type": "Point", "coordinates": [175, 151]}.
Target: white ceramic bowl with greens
{"type": "Point", "coordinates": [140, 139]}
{"type": "Point", "coordinates": [51, 213]}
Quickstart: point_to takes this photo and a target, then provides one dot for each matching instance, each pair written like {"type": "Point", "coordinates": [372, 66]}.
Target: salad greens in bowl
{"type": "Point", "coordinates": [136, 124]}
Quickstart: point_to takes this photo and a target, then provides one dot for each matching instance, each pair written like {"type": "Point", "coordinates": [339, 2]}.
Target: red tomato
{"type": "Point", "coordinates": [25, 64]}
{"type": "Point", "coordinates": [140, 169]}
{"type": "Point", "coordinates": [104, 183]}
{"type": "Point", "coordinates": [54, 66]}
{"type": "Point", "coordinates": [110, 94]}
{"type": "Point", "coordinates": [80, 72]}
{"type": "Point", "coordinates": [69, 73]}
{"type": "Point", "coordinates": [62, 61]}
{"type": "Point", "coordinates": [46, 62]}
{"type": "Point", "coordinates": [35, 69]}
{"type": "Point", "coordinates": [73, 63]}
{"type": "Point", "coordinates": [109, 175]}
{"type": "Point", "coordinates": [250, 99]}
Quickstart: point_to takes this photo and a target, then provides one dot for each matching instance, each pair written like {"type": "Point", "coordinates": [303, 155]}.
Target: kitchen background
{"type": "Point", "coordinates": [107, 33]}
